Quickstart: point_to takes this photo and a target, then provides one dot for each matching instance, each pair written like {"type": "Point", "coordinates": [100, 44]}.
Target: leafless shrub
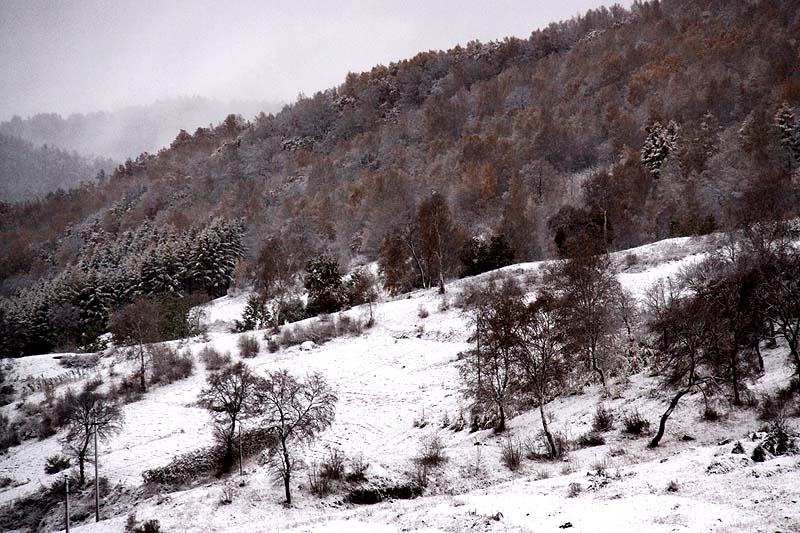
{"type": "Point", "coordinates": [248, 346]}
{"type": "Point", "coordinates": [574, 490]}
{"type": "Point", "coordinates": [542, 473]}
{"type": "Point", "coordinates": [333, 466]}
{"type": "Point", "coordinates": [168, 365]}
{"type": "Point", "coordinates": [603, 419]}
{"type": "Point", "coordinates": [634, 423]}
{"type": "Point", "coordinates": [213, 359]}
{"type": "Point", "coordinates": [227, 494]}
{"type": "Point", "coordinates": [673, 486]}
{"type": "Point", "coordinates": [422, 311]}
{"type": "Point", "coordinates": [431, 451]}
{"type": "Point", "coordinates": [511, 453]}
{"type": "Point", "coordinates": [318, 482]}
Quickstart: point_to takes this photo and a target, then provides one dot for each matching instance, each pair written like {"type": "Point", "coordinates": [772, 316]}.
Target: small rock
{"type": "Point", "coordinates": [308, 346]}
{"type": "Point", "coordinates": [687, 438]}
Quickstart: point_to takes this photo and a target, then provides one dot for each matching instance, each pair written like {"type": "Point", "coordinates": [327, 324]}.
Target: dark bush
{"type": "Point", "coordinates": [168, 365]}
{"type": "Point", "coordinates": [56, 463]}
{"type": "Point", "coordinates": [248, 346]}
{"type": "Point", "coordinates": [511, 453]}
{"type": "Point", "coordinates": [634, 424]}
{"type": "Point", "coordinates": [373, 495]}
{"type": "Point", "coordinates": [213, 359]}
{"type": "Point", "coordinates": [588, 440]}
{"type": "Point", "coordinates": [127, 390]}
{"type": "Point", "coordinates": [8, 434]}
{"type": "Point", "coordinates": [333, 465]}
{"type": "Point", "coordinates": [603, 419]}
{"type": "Point", "coordinates": [478, 256]}
{"type": "Point", "coordinates": [759, 454]}
{"type": "Point", "coordinates": [272, 345]}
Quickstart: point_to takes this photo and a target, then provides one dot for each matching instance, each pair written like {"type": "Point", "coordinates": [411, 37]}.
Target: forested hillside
{"type": "Point", "coordinates": [613, 129]}
{"type": "Point", "coordinates": [28, 172]}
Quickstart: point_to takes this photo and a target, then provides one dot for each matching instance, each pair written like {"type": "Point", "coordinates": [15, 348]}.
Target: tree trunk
{"type": "Point", "coordinates": [502, 426]}
{"type": "Point", "coordinates": [794, 354]}
{"type": "Point", "coordinates": [550, 442]}
{"type": "Point", "coordinates": [81, 470]}
{"type": "Point", "coordinates": [663, 423]}
{"type": "Point", "coordinates": [141, 361]}
{"type": "Point", "coordinates": [737, 400]}
{"type": "Point", "coordinates": [287, 473]}
{"type": "Point", "coordinates": [760, 358]}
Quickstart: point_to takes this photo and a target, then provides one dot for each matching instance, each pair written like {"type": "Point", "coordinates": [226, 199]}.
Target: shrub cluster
{"type": "Point", "coordinates": [198, 463]}
{"type": "Point", "coordinates": [603, 419]}
{"type": "Point", "coordinates": [168, 365]}
{"type": "Point", "coordinates": [213, 359]}
{"type": "Point", "coordinates": [635, 424]}
{"type": "Point", "coordinates": [319, 331]}
{"type": "Point", "coordinates": [248, 346]}
{"type": "Point", "coordinates": [56, 463]}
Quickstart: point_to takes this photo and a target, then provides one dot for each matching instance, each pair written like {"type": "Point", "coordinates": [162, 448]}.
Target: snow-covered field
{"type": "Point", "coordinates": [402, 372]}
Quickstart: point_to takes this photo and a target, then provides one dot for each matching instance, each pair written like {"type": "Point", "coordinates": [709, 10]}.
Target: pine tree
{"type": "Point", "coordinates": [789, 127]}
{"type": "Point", "coordinates": [660, 142]}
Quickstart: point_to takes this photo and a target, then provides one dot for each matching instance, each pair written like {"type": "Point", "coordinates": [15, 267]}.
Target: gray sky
{"type": "Point", "coordinates": [87, 55]}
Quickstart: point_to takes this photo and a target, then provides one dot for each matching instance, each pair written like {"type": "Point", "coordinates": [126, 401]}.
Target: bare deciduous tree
{"type": "Point", "coordinates": [138, 323]}
{"type": "Point", "coordinates": [229, 395]}
{"type": "Point", "coordinates": [488, 370]}
{"type": "Point", "coordinates": [587, 289]}
{"type": "Point", "coordinates": [296, 411]}
{"type": "Point", "coordinates": [85, 411]}
{"type": "Point", "coordinates": [686, 355]}
{"type": "Point", "coordinates": [541, 357]}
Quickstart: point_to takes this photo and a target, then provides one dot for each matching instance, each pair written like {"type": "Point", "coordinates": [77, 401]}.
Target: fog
{"type": "Point", "coordinates": [68, 57]}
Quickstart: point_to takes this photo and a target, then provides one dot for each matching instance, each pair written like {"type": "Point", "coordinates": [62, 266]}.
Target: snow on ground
{"type": "Point", "coordinates": [401, 373]}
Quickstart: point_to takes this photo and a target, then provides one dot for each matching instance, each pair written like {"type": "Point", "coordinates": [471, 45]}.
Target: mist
{"type": "Point", "coordinates": [79, 57]}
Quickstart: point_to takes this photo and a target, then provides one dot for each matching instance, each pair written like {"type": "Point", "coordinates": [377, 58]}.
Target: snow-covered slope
{"type": "Point", "coordinates": [402, 374]}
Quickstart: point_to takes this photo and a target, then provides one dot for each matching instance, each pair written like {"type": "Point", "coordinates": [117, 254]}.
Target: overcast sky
{"type": "Point", "coordinates": [87, 55]}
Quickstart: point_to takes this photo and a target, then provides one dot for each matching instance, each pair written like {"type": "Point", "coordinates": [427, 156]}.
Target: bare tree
{"type": "Point", "coordinates": [229, 395]}
{"type": "Point", "coordinates": [587, 290]}
{"type": "Point", "coordinates": [687, 362]}
{"type": "Point", "coordinates": [85, 412]}
{"type": "Point", "coordinates": [436, 234]}
{"type": "Point", "coordinates": [782, 299]}
{"type": "Point", "coordinates": [296, 411]}
{"type": "Point", "coordinates": [279, 266]}
{"type": "Point", "coordinates": [730, 283]}
{"type": "Point", "coordinates": [488, 370]}
{"type": "Point", "coordinates": [541, 358]}
{"type": "Point", "coordinates": [138, 323]}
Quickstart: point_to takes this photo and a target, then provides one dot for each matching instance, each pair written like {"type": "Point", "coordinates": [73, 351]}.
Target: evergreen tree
{"type": "Point", "coordinates": [789, 127]}
{"type": "Point", "coordinates": [660, 142]}
{"type": "Point", "coordinates": [323, 282]}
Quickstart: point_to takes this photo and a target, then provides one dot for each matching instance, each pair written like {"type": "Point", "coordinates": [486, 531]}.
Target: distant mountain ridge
{"type": "Point", "coordinates": [28, 172]}
{"type": "Point", "coordinates": [127, 132]}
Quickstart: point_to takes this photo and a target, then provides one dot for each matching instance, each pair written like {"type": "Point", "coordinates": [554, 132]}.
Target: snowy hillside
{"type": "Point", "coordinates": [397, 384]}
